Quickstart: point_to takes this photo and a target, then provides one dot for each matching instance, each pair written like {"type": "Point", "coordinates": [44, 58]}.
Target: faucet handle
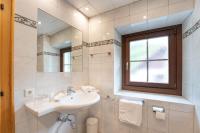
{"type": "Point", "coordinates": [70, 87]}
{"type": "Point", "coordinates": [70, 90]}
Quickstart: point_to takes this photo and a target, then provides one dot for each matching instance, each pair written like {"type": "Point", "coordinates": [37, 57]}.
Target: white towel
{"type": "Point", "coordinates": [89, 89]}
{"type": "Point", "coordinates": [130, 112]}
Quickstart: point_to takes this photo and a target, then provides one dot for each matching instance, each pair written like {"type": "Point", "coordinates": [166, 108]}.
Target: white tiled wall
{"type": "Point", "coordinates": [25, 75]}
{"type": "Point", "coordinates": [104, 74]}
{"type": "Point", "coordinates": [101, 66]}
{"type": "Point", "coordinates": [179, 117]}
{"type": "Point", "coordinates": [177, 121]}
{"type": "Point", "coordinates": [191, 65]}
{"type": "Point", "coordinates": [133, 14]}
{"type": "Point", "coordinates": [103, 70]}
{"type": "Point", "coordinates": [25, 59]}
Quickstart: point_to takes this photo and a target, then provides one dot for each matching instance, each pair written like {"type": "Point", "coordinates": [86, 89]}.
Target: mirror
{"type": "Point", "coordinates": [59, 45]}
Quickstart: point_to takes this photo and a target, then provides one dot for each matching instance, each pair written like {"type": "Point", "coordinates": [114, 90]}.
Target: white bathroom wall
{"type": "Point", "coordinates": [105, 71]}
{"type": "Point", "coordinates": [138, 16]}
{"type": "Point", "coordinates": [191, 62]}
{"type": "Point", "coordinates": [25, 59]}
{"type": "Point", "coordinates": [105, 27]}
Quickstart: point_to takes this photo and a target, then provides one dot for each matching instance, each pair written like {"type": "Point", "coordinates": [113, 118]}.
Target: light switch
{"type": "Point", "coordinates": [29, 92]}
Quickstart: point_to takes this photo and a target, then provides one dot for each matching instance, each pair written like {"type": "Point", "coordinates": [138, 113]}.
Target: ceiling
{"type": "Point", "coordinates": [49, 25]}
{"type": "Point", "coordinates": [93, 7]}
{"type": "Point", "coordinates": [165, 21]}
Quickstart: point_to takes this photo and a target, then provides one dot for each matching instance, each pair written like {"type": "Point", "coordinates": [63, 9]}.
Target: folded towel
{"type": "Point", "coordinates": [89, 89]}
{"type": "Point", "coordinates": [130, 112]}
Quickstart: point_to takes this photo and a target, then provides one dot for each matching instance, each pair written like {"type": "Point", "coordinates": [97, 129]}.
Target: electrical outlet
{"type": "Point", "coordinates": [29, 92]}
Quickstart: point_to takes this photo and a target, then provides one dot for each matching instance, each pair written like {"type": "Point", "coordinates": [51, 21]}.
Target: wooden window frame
{"type": "Point", "coordinates": [175, 61]}
{"type": "Point", "coordinates": [62, 51]}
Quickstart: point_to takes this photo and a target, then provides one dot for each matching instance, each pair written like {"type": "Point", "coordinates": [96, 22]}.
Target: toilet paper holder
{"type": "Point", "coordinates": [158, 109]}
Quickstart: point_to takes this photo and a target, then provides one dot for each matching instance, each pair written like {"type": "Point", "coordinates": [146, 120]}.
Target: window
{"type": "Point", "coordinates": [65, 60]}
{"type": "Point", "coordinates": [152, 61]}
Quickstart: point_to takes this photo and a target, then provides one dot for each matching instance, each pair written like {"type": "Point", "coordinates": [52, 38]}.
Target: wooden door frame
{"type": "Point", "coordinates": [7, 117]}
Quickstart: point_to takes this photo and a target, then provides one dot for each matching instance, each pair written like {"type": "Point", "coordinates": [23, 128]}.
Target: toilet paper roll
{"type": "Point", "coordinates": [160, 115]}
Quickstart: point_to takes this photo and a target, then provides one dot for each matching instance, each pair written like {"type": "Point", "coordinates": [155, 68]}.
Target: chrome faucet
{"type": "Point", "coordinates": [70, 90]}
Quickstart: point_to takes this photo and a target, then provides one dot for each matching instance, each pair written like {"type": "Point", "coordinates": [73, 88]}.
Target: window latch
{"type": "Point", "coordinates": [2, 6]}
{"type": "Point", "coordinates": [126, 66]}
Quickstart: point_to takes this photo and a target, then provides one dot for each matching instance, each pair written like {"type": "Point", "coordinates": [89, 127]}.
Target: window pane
{"type": "Point", "coordinates": [158, 72]}
{"type": "Point", "coordinates": [138, 71]}
{"type": "Point", "coordinates": [67, 68]}
{"type": "Point", "coordinates": [158, 48]}
{"type": "Point", "coordinates": [138, 50]}
{"type": "Point", "coordinates": [67, 58]}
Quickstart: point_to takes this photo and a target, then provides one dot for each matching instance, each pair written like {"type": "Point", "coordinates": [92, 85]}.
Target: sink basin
{"type": "Point", "coordinates": [63, 103]}
{"type": "Point", "coordinates": [77, 101]}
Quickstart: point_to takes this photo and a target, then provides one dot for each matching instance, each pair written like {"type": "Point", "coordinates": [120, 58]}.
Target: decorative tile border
{"type": "Point", "coordinates": [47, 53]}
{"type": "Point", "coordinates": [77, 47]}
{"type": "Point", "coordinates": [85, 44]}
{"type": "Point", "coordinates": [100, 43]}
{"type": "Point", "coordinates": [26, 21]}
{"type": "Point", "coordinates": [94, 44]}
{"type": "Point", "coordinates": [117, 43]}
{"type": "Point", "coordinates": [192, 30]}
{"type": "Point", "coordinates": [105, 42]}
{"type": "Point", "coordinates": [31, 23]}
{"type": "Point", "coordinates": [55, 54]}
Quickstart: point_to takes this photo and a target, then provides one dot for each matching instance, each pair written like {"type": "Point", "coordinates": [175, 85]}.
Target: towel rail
{"type": "Point", "coordinates": [74, 57]}
{"type": "Point", "coordinates": [158, 109]}
{"type": "Point", "coordinates": [108, 53]}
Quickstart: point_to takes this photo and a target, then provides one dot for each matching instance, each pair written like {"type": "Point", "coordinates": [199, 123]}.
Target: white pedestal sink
{"type": "Point", "coordinates": [63, 103]}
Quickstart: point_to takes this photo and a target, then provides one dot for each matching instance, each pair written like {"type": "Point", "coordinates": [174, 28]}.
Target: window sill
{"type": "Point", "coordinates": [153, 96]}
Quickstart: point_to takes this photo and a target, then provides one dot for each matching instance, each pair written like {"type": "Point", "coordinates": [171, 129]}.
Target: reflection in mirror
{"type": "Point", "coordinates": [59, 45]}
